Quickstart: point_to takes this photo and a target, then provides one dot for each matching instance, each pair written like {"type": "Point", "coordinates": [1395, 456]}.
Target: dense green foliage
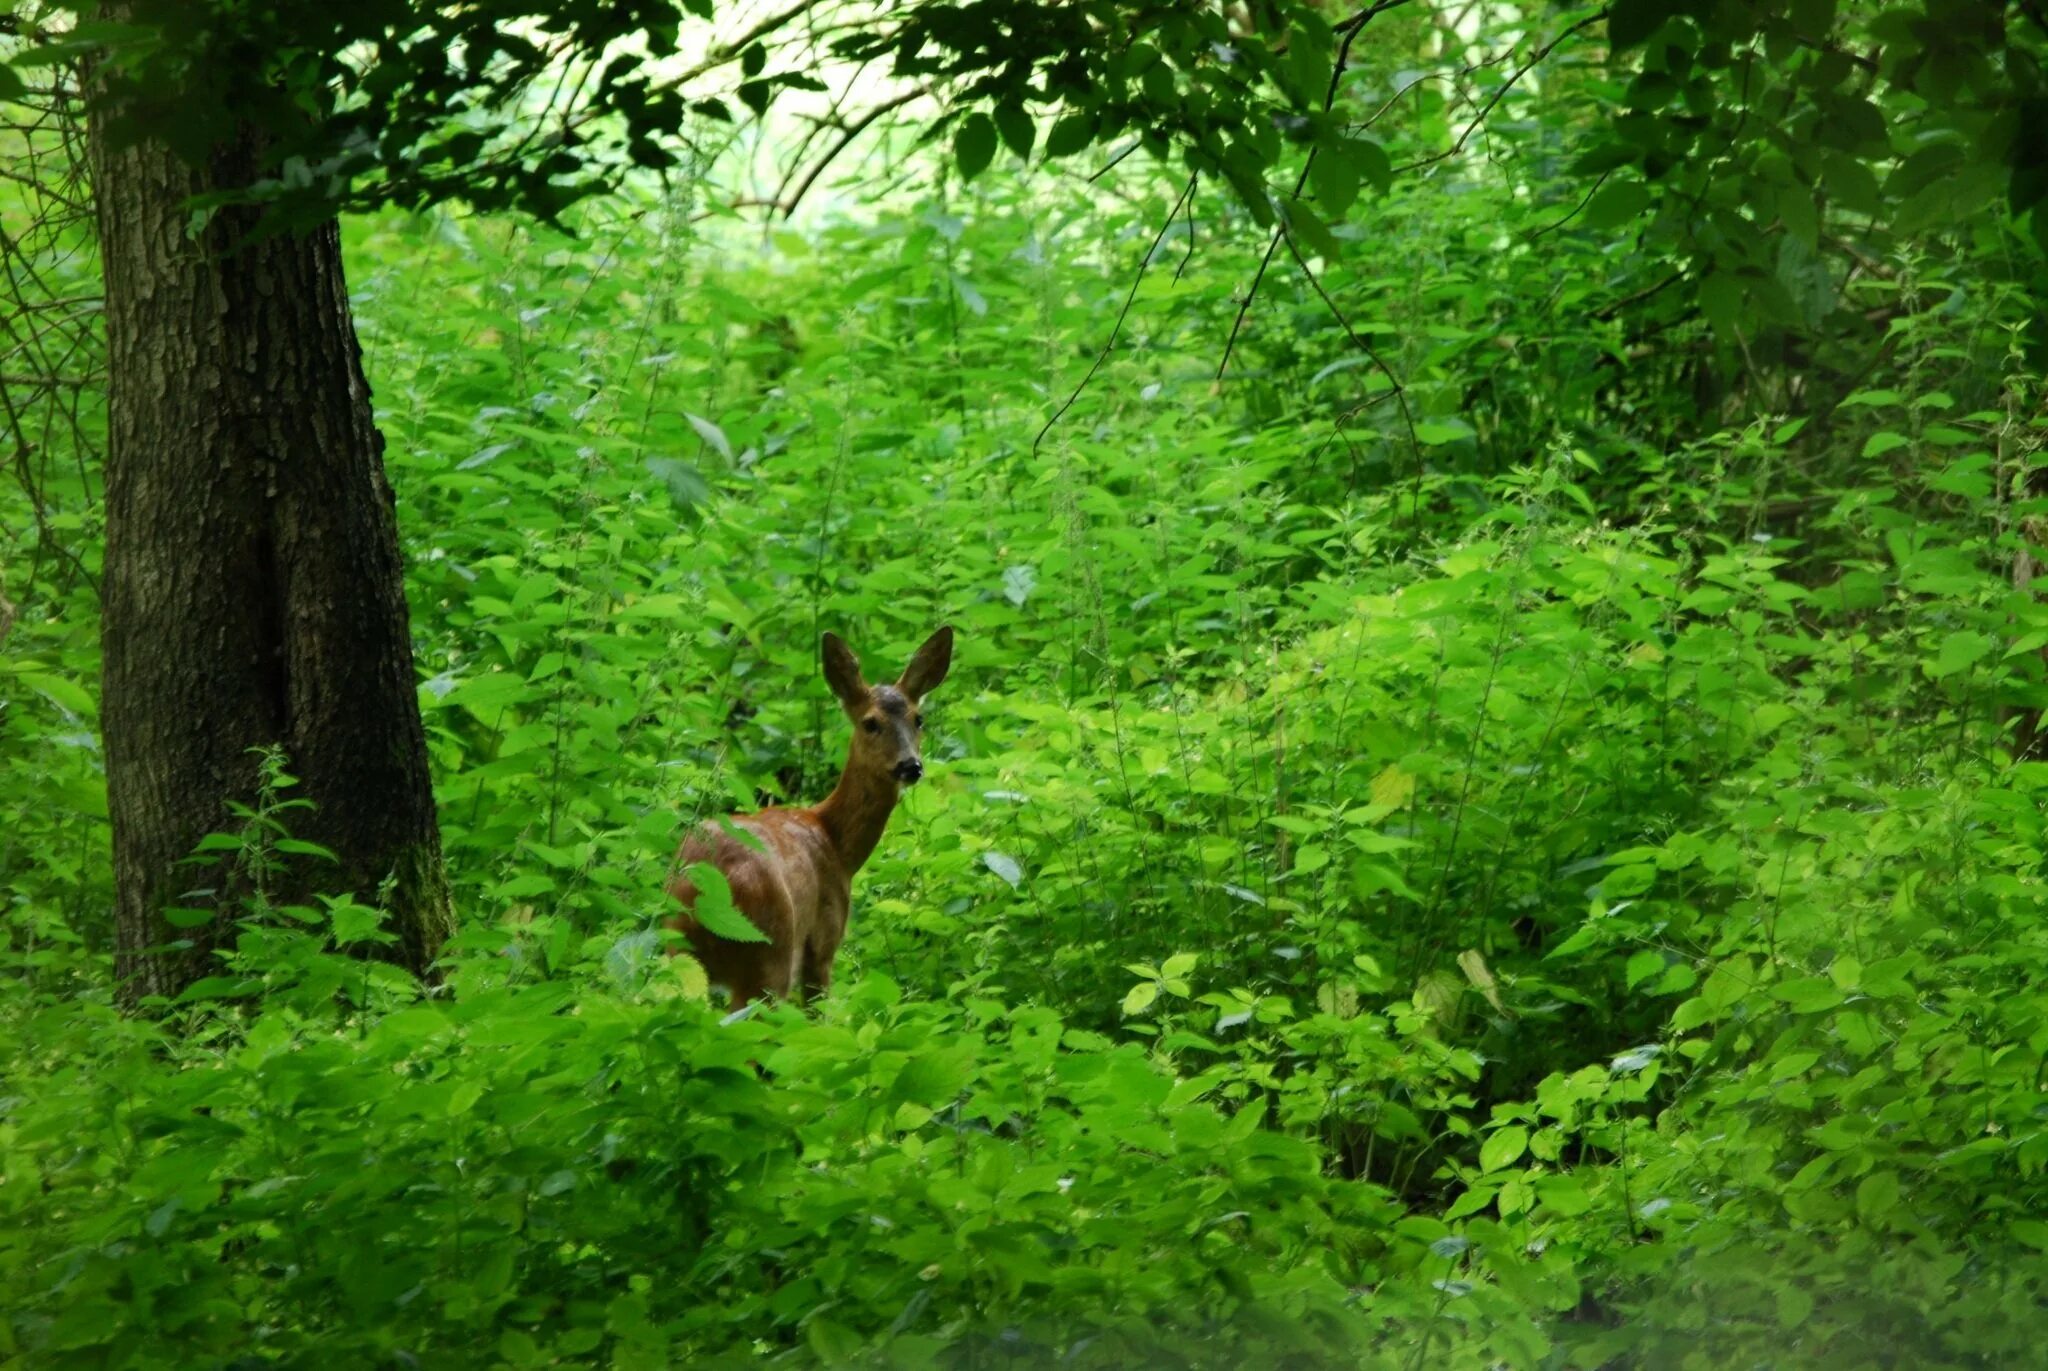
{"type": "Point", "coordinates": [1541, 869]}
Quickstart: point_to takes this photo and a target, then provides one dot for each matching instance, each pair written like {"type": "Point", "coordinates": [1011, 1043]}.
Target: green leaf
{"type": "Point", "coordinates": [1073, 132]}
{"type": "Point", "coordinates": [1877, 1196]}
{"type": "Point", "coordinates": [1016, 127]}
{"type": "Point", "coordinates": [355, 923]}
{"type": "Point", "coordinates": [1614, 204]}
{"type": "Point", "coordinates": [1140, 997]}
{"type": "Point", "coordinates": [1310, 232]}
{"type": "Point", "coordinates": [1565, 1195]}
{"type": "Point", "coordinates": [66, 695]}
{"type": "Point", "coordinates": [714, 909]}
{"type": "Point", "coordinates": [1879, 444]}
{"type": "Point", "coordinates": [1004, 866]}
{"type": "Point", "coordinates": [1959, 651]}
{"type": "Point", "coordinates": [974, 144]}
{"type": "Point", "coordinates": [1644, 965]}
{"type": "Point", "coordinates": [1809, 994]}
{"type": "Point", "coordinates": [1334, 177]}
{"type": "Point", "coordinates": [1436, 432]}
{"type": "Point", "coordinates": [712, 434]}
{"type": "Point", "coordinates": [1632, 22]}
{"type": "Point", "coordinates": [1503, 1147]}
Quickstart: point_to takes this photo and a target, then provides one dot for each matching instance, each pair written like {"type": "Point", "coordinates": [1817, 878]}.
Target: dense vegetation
{"type": "Point", "coordinates": [1488, 809]}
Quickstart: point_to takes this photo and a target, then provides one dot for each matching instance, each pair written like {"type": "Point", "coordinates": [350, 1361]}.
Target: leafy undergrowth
{"type": "Point", "coordinates": [1553, 889]}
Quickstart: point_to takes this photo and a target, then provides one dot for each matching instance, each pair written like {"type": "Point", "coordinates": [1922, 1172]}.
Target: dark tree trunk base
{"type": "Point", "coordinates": [252, 588]}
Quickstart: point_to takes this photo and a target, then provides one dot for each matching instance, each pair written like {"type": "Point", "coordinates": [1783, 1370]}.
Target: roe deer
{"type": "Point", "coordinates": [797, 888]}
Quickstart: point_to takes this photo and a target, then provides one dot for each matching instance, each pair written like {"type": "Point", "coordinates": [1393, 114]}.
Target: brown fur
{"type": "Point", "coordinates": [798, 889]}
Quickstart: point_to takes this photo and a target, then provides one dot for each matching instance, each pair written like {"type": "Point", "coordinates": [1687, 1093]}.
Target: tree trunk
{"type": "Point", "coordinates": [252, 587]}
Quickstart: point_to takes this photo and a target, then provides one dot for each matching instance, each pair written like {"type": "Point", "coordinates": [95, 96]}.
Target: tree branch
{"type": "Point", "coordinates": [1122, 314]}
{"type": "Point", "coordinates": [1499, 95]}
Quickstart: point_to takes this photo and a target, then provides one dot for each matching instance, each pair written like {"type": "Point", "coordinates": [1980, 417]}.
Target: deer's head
{"type": "Point", "coordinates": [888, 720]}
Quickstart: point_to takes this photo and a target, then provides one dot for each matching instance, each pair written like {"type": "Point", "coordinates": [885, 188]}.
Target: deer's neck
{"type": "Point", "coordinates": [856, 812]}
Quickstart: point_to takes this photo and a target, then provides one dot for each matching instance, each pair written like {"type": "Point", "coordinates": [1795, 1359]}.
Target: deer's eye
{"type": "Point", "coordinates": [917, 720]}
{"type": "Point", "coordinates": [872, 725]}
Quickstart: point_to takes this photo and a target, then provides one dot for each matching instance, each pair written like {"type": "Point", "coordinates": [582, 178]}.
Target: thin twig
{"type": "Point", "coordinates": [1189, 255]}
{"type": "Point", "coordinates": [1499, 95]}
{"type": "Point", "coordinates": [853, 131]}
{"type": "Point", "coordinates": [1400, 391]}
{"type": "Point", "coordinates": [1122, 314]}
{"type": "Point", "coordinates": [1584, 200]}
{"type": "Point", "coordinates": [1351, 28]}
{"type": "Point", "coordinates": [1125, 151]}
{"type": "Point", "coordinates": [724, 53]}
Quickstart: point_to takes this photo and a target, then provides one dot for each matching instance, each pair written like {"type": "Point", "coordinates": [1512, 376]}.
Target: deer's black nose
{"type": "Point", "coordinates": [910, 772]}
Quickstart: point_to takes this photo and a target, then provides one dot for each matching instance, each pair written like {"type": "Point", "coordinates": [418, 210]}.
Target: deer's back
{"type": "Point", "coordinates": [791, 889]}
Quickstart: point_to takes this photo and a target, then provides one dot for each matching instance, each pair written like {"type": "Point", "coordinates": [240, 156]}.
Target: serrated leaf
{"type": "Point", "coordinates": [66, 695]}
{"type": "Point", "coordinates": [355, 923]}
{"type": "Point", "coordinates": [711, 433]}
{"type": "Point", "coordinates": [714, 908]}
{"type": "Point", "coordinates": [1393, 787]}
{"type": "Point", "coordinates": [1959, 651]}
{"type": "Point", "coordinates": [1473, 964]}
{"type": "Point", "coordinates": [1140, 997]}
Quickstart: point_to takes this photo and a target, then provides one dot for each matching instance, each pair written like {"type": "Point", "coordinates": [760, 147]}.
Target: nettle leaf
{"type": "Point", "coordinates": [350, 922]}
{"type": "Point", "coordinates": [711, 433]}
{"type": "Point", "coordinates": [1960, 651]}
{"type": "Point", "coordinates": [974, 144]}
{"type": "Point", "coordinates": [714, 908]}
{"type": "Point", "coordinates": [65, 694]}
{"type": "Point", "coordinates": [685, 483]}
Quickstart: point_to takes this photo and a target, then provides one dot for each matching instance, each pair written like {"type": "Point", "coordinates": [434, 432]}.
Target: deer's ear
{"type": "Point", "coordinates": [929, 666]}
{"type": "Point", "coordinates": [842, 673]}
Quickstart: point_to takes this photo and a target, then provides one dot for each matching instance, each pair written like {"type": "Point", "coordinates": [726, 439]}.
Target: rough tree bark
{"type": "Point", "coordinates": [252, 589]}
